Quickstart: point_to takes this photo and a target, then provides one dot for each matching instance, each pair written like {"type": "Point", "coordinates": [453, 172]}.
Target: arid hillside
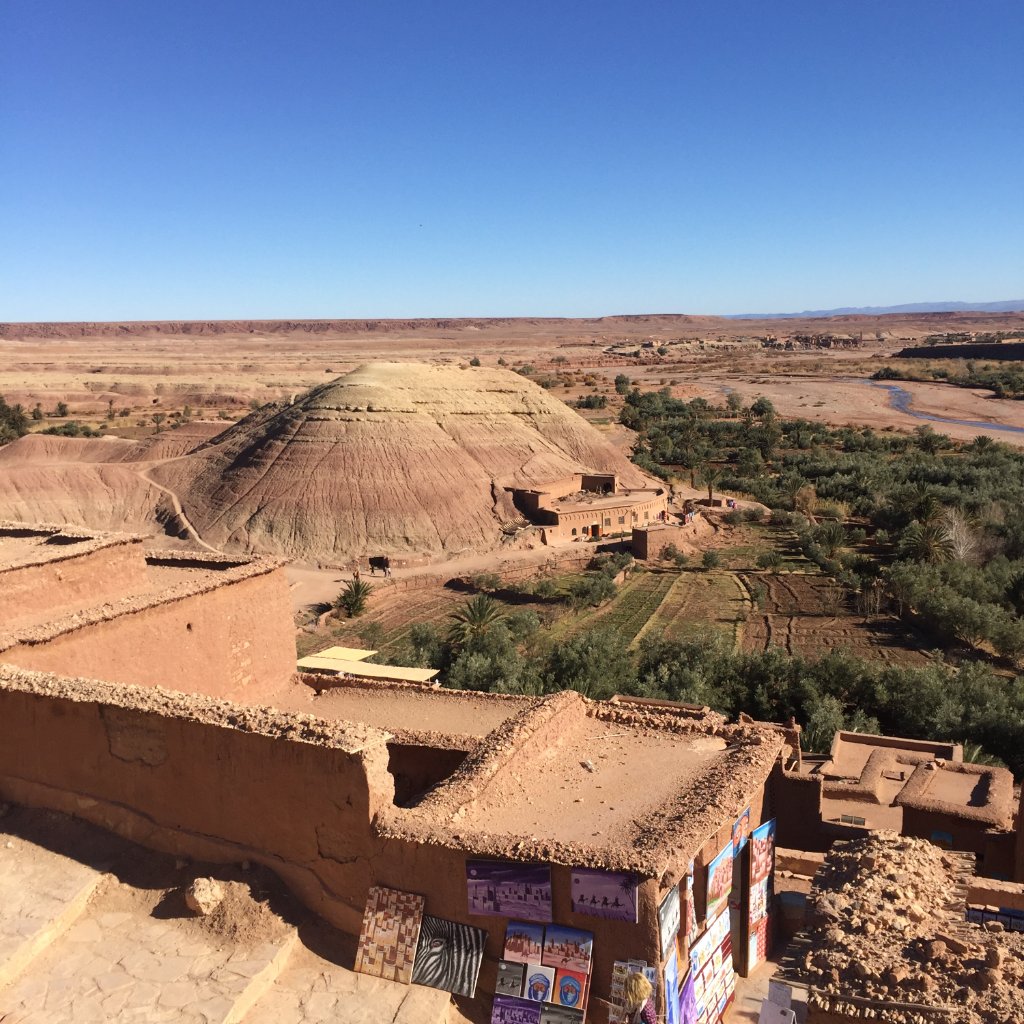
{"type": "Point", "coordinates": [393, 457]}
{"type": "Point", "coordinates": [397, 458]}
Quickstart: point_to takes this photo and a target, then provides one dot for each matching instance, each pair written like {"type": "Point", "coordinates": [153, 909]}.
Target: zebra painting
{"type": "Point", "coordinates": [448, 956]}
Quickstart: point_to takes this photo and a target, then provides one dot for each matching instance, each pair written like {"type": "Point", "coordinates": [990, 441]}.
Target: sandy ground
{"type": "Point", "coordinates": [445, 712]}
{"type": "Point", "coordinates": [864, 403]}
{"type": "Point", "coordinates": [558, 797]}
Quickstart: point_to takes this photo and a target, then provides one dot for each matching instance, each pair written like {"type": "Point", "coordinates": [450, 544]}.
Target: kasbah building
{"type": "Point", "coordinates": [140, 710]}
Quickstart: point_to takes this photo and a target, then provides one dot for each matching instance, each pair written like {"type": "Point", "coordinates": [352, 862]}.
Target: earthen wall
{"type": "Point", "coordinates": [236, 641]}
{"type": "Point", "coordinates": [970, 836]}
{"type": "Point", "coordinates": [201, 789]}
{"type": "Point", "coordinates": [1019, 872]}
{"type": "Point", "coordinates": [44, 591]}
{"type": "Point", "coordinates": [796, 800]}
{"type": "Point", "coordinates": [441, 875]}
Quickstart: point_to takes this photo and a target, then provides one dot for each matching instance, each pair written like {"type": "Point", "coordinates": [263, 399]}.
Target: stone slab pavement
{"type": "Point", "coordinates": [137, 969]}
{"type": "Point", "coordinates": [42, 893]}
{"type": "Point", "coordinates": [312, 990]}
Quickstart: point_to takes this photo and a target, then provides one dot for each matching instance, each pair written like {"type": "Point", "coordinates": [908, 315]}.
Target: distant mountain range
{"type": "Point", "coordinates": [1010, 306]}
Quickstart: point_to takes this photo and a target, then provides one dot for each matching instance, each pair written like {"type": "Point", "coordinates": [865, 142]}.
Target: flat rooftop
{"type": "Point", "coordinates": [594, 784]}
{"type": "Point", "coordinates": [23, 545]}
{"type": "Point", "coordinates": [410, 711]}
{"type": "Point", "coordinates": [586, 500]}
{"type": "Point", "coordinates": [168, 576]}
{"type": "Point", "coordinates": [606, 784]}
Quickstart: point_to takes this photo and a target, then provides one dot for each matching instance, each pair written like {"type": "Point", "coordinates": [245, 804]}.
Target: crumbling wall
{"type": "Point", "coordinates": [69, 580]}
{"type": "Point", "coordinates": [202, 779]}
{"type": "Point", "coordinates": [234, 641]}
{"type": "Point", "coordinates": [1019, 872]}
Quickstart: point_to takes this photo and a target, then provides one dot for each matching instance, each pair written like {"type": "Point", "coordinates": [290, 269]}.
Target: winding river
{"type": "Point", "coordinates": [902, 400]}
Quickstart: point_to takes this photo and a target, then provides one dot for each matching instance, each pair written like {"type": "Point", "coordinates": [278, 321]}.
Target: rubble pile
{"type": "Point", "coordinates": [889, 940]}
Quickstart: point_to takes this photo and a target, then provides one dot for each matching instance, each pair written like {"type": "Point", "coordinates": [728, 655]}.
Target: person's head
{"type": "Point", "coordinates": [637, 990]}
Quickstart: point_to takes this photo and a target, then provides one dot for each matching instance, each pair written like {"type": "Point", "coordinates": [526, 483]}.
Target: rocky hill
{"type": "Point", "coordinates": [395, 458]}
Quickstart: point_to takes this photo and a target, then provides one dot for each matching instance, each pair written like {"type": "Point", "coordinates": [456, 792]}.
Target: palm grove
{"type": "Point", "coordinates": [927, 528]}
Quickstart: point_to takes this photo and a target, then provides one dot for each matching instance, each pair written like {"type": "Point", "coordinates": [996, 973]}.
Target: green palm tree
{"type": "Point", "coordinates": [974, 753]}
{"type": "Point", "coordinates": [926, 542]}
{"type": "Point", "coordinates": [710, 475]}
{"type": "Point", "coordinates": [353, 598]}
{"type": "Point", "coordinates": [474, 619]}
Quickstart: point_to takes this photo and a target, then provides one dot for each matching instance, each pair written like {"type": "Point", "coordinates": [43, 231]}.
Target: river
{"type": "Point", "coordinates": [902, 400]}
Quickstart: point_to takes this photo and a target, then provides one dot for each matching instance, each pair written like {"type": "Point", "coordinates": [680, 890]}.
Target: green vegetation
{"type": "Point", "coordinates": [73, 429]}
{"type": "Point", "coordinates": [13, 422]}
{"type": "Point", "coordinates": [353, 598]}
{"type": "Point", "coordinates": [1005, 380]}
{"type": "Point", "coordinates": [919, 525]}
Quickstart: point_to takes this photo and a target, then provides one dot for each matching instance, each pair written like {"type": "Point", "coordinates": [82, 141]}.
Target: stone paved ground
{"type": "Point", "coordinates": [41, 894]}
{"type": "Point", "coordinates": [93, 929]}
{"type": "Point", "coordinates": [131, 967]}
{"type": "Point", "coordinates": [315, 991]}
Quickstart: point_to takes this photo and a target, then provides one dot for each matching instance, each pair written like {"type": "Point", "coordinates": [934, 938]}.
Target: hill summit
{"type": "Point", "coordinates": [397, 458]}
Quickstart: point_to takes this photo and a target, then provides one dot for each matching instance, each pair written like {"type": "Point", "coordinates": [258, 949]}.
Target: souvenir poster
{"type": "Point", "coordinates": [560, 1015]}
{"type": "Point", "coordinates": [509, 1010]}
{"type": "Point", "coordinates": [672, 989]}
{"type": "Point", "coordinates": [762, 868]}
{"type": "Point", "coordinates": [762, 851]}
{"type": "Point", "coordinates": [740, 832]}
{"type": "Point", "coordinates": [570, 988]}
{"type": "Point", "coordinates": [691, 910]}
{"type": "Point", "coordinates": [608, 894]}
{"type": "Point", "coordinates": [449, 956]}
{"type": "Point", "coordinates": [524, 942]}
{"type": "Point", "coordinates": [500, 888]}
{"type": "Point", "coordinates": [714, 979]}
{"type": "Point", "coordinates": [511, 976]}
{"type": "Point", "coordinates": [620, 970]}
{"type": "Point", "coordinates": [668, 920]}
{"type": "Point", "coordinates": [688, 1001]}
{"type": "Point", "coordinates": [719, 883]}
{"type": "Point", "coordinates": [540, 983]}
{"type": "Point", "coordinates": [568, 948]}
{"type": "Point", "coordinates": [389, 934]}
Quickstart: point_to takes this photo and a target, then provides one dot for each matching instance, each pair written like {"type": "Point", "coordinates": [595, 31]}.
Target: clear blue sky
{"type": "Point", "coordinates": [321, 158]}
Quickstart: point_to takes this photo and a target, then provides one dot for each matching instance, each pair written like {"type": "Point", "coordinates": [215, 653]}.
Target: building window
{"type": "Point", "coordinates": [574, 531]}
{"type": "Point", "coordinates": [647, 515]}
{"type": "Point", "coordinates": [607, 522]}
{"type": "Point", "coordinates": [622, 519]}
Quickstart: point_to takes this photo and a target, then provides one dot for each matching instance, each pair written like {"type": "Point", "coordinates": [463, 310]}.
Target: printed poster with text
{"type": "Point", "coordinates": [719, 883]}
{"type": "Point", "coordinates": [762, 873]}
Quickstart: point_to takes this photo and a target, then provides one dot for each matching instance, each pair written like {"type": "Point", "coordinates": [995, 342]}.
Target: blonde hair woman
{"type": "Point", "coordinates": [639, 993]}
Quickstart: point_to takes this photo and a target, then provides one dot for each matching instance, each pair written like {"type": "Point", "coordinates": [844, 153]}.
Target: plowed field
{"type": "Point", "coordinates": [810, 615]}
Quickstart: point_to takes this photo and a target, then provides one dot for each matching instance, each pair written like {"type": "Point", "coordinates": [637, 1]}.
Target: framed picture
{"type": "Point", "coordinates": [608, 894]}
{"type": "Point", "coordinates": [498, 888]}
{"type": "Point", "coordinates": [449, 955]}
{"type": "Point", "coordinates": [719, 882]}
{"type": "Point", "coordinates": [389, 934]}
{"type": "Point", "coordinates": [668, 919]}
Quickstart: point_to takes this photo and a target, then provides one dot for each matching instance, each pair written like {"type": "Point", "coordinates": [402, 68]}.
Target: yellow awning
{"type": "Point", "coordinates": [365, 671]}
{"type": "Point", "coordinates": [344, 653]}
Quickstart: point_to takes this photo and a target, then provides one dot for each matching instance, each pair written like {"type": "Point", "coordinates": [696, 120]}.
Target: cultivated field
{"type": "Point", "coordinates": [810, 615]}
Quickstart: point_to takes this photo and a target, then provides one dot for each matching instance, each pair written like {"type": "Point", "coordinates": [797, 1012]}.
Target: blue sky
{"type": "Point", "coordinates": [205, 159]}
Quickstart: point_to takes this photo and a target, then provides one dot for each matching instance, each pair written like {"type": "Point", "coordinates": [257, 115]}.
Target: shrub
{"type": "Point", "coordinates": [769, 560]}
{"type": "Point", "coordinates": [711, 559]}
{"type": "Point", "coordinates": [353, 598]}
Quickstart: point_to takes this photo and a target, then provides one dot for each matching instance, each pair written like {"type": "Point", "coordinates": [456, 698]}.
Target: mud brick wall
{"type": "Point", "coordinates": [46, 590]}
{"type": "Point", "coordinates": [235, 641]}
{"type": "Point", "coordinates": [440, 874]}
{"type": "Point", "coordinates": [203, 779]}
